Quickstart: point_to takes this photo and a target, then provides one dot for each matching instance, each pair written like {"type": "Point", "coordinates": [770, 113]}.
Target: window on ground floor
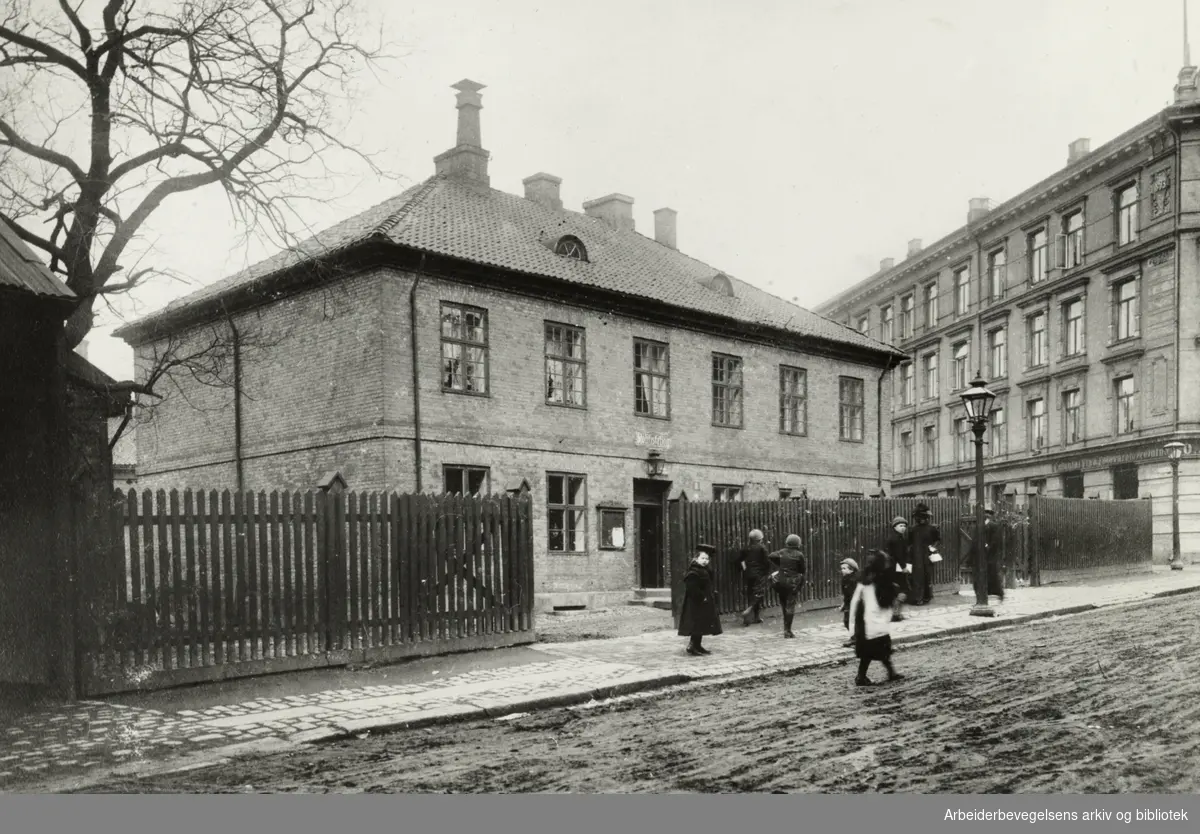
{"type": "Point", "coordinates": [566, 519]}
{"type": "Point", "coordinates": [467, 480]}
{"type": "Point", "coordinates": [1125, 481]}
{"type": "Point", "coordinates": [727, 492]}
{"type": "Point", "coordinates": [1072, 485]}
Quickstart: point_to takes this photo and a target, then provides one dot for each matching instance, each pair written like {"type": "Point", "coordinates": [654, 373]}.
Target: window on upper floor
{"type": "Point", "coordinates": [1035, 332]}
{"type": "Point", "coordinates": [962, 440]}
{"type": "Point", "coordinates": [931, 305]}
{"type": "Point", "coordinates": [886, 322]}
{"type": "Point", "coordinates": [997, 274]}
{"type": "Point", "coordinates": [793, 400]}
{"type": "Point", "coordinates": [851, 409]}
{"type": "Point", "coordinates": [907, 386]}
{"type": "Point", "coordinates": [464, 349]}
{"type": "Point", "coordinates": [1126, 314]}
{"type": "Point", "coordinates": [1071, 254]}
{"type": "Point", "coordinates": [998, 352]}
{"type": "Point", "coordinates": [1072, 406]}
{"type": "Point", "coordinates": [1039, 256]}
{"type": "Point", "coordinates": [962, 291]}
{"type": "Point", "coordinates": [1127, 214]}
{"type": "Point", "coordinates": [907, 463]}
{"type": "Point", "coordinates": [961, 367]}
{"type": "Point", "coordinates": [864, 324]}
{"type": "Point", "coordinates": [1036, 409]}
{"type": "Point", "coordinates": [907, 311]}
{"type": "Point", "coordinates": [1074, 333]}
{"type": "Point", "coordinates": [929, 374]}
{"type": "Point", "coordinates": [566, 377]}
{"type": "Point", "coordinates": [726, 390]}
{"type": "Point", "coordinates": [998, 440]}
{"type": "Point", "coordinates": [929, 442]}
{"type": "Point", "coordinates": [1125, 394]}
{"type": "Point", "coordinates": [651, 379]}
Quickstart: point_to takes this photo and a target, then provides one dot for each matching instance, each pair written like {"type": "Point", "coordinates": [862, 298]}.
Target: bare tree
{"type": "Point", "coordinates": [103, 118]}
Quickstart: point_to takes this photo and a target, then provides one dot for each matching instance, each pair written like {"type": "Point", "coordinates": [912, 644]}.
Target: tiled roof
{"type": "Point", "coordinates": [450, 217]}
{"type": "Point", "coordinates": [22, 269]}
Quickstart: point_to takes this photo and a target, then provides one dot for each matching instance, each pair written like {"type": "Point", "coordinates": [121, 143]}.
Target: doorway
{"type": "Point", "coordinates": [649, 532]}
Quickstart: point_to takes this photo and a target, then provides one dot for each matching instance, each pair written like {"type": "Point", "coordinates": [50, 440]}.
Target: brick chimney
{"type": "Point", "coordinates": [543, 189]}
{"type": "Point", "coordinates": [1078, 149]}
{"type": "Point", "coordinates": [616, 210]}
{"type": "Point", "coordinates": [978, 208]}
{"type": "Point", "coordinates": [914, 246]}
{"type": "Point", "coordinates": [467, 159]}
{"type": "Point", "coordinates": [886, 264]}
{"type": "Point", "coordinates": [664, 226]}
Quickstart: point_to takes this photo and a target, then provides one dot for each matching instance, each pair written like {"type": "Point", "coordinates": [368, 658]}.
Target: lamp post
{"type": "Point", "coordinates": [1174, 451]}
{"type": "Point", "coordinates": [978, 401]}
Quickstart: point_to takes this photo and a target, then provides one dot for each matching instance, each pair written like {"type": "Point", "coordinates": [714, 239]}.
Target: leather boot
{"type": "Point", "coordinates": [787, 625]}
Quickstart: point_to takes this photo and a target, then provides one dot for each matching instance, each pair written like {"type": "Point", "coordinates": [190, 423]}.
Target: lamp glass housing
{"type": "Point", "coordinates": [978, 400]}
{"type": "Point", "coordinates": [1174, 449]}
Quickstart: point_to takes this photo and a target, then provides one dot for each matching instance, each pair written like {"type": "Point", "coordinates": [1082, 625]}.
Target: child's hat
{"type": "Point", "coordinates": [899, 520]}
{"type": "Point", "coordinates": [853, 565]}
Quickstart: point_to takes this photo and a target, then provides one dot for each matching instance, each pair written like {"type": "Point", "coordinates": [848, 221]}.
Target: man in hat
{"type": "Point", "coordinates": [992, 551]}
{"type": "Point", "coordinates": [924, 538]}
{"type": "Point", "coordinates": [788, 579]}
{"type": "Point", "coordinates": [755, 565]}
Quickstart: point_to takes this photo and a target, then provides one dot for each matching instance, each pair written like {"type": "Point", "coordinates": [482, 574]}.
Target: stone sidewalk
{"type": "Point", "coordinates": [68, 747]}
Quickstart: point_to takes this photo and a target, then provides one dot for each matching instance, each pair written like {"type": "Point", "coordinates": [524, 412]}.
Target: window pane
{"type": "Point", "coordinates": [454, 481]}
{"type": "Point", "coordinates": [575, 497]}
{"type": "Point", "coordinates": [555, 491]}
{"type": "Point", "coordinates": [476, 478]}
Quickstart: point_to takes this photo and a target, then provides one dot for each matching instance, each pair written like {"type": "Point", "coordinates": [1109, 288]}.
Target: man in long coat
{"type": "Point", "coordinates": [924, 538]}
{"type": "Point", "coordinates": [992, 551]}
{"type": "Point", "coordinates": [754, 564]}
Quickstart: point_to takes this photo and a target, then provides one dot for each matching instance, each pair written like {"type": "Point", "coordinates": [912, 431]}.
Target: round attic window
{"type": "Point", "coordinates": [570, 247]}
{"type": "Point", "coordinates": [721, 283]}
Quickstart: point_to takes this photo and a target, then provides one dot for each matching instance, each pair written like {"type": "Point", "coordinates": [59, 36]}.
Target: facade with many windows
{"type": "Point", "coordinates": [1079, 302]}
{"type": "Point", "coordinates": [473, 341]}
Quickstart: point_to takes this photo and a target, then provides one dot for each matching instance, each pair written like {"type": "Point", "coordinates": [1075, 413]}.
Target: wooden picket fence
{"type": "Point", "coordinates": [201, 586]}
{"type": "Point", "coordinates": [1070, 536]}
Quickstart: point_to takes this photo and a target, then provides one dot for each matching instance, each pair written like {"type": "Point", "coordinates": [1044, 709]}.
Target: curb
{"type": "Point", "coordinates": [464, 712]}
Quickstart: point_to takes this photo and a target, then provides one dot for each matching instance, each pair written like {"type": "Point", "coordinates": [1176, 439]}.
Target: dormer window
{"type": "Point", "coordinates": [571, 247]}
{"type": "Point", "coordinates": [721, 283]}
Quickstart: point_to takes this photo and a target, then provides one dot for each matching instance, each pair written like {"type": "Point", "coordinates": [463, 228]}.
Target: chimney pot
{"type": "Point", "coordinates": [978, 208]}
{"type": "Point", "coordinates": [614, 209]}
{"type": "Point", "coordinates": [886, 264]}
{"type": "Point", "coordinates": [543, 189]}
{"type": "Point", "coordinates": [467, 159]}
{"type": "Point", "coordinates": [914, 246]}
{"type": "Point", "coordinates": [1078, 149]}
{"type": "Point", "coordinates": [664, 226]}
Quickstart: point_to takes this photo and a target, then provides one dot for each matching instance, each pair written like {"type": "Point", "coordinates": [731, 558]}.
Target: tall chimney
{"type": "Point", "coordinates": [664, 226]}
{"type": "Point", "coordinates": [543, 189]}
{"type": "Point", "coordinates": [914, 246]}
{"type": "Point", "coordinates": [886, 264]}
{"type": "Point", "coordinates": [1078, 149]}
{"type": "Point", "coordinates": [616, 210]}
{"type": "Point", "coordinates": [467, 159]}
{"type": "Point", "coordinates": [978, 208]}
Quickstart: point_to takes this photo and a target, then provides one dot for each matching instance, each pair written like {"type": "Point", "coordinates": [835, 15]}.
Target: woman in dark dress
{"type": "Point", "coordinates": [871, 610]}
{"type": "Point", "coordinates": [699, 616]}
{"type": "Point", "coordinates": [924, 538]}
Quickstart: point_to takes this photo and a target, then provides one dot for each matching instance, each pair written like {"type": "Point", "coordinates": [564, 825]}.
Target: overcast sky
{"type": "Point", "coordinates": [800, 142]}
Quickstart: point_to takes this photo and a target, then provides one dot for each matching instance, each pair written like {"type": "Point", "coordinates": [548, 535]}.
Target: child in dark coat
{"type": "Point", "coordinates": [849, 569]}
{"type": "Point", "coordinates": [871, 610]}
{"type": "Point", "coordinates": [699, 614]}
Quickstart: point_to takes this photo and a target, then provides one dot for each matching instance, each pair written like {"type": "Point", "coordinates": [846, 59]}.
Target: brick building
{"type": "Point", "coordinates": [460, 338]}
{"type": "Point", "coordinates": [1079, 301]}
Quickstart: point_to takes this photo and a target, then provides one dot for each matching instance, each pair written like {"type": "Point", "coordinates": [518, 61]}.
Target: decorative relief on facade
{"type": "Point", "coordinates": [1160, 259]}
{"type": "Point", "coordinates": [1160, 193]}
{"type": "Point", "coordinates": [1158, 385]}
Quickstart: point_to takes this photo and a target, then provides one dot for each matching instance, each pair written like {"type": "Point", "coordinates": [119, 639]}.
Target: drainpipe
{"type": "Point", "coordinates": [237, 402]}
{"type": "Point", "coordinates": [879, 422]}
{"type": "Point", "coordinates": [416, 372]}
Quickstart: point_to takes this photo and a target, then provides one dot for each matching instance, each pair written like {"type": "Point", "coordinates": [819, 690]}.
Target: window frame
{"type": "Point", "coordinates": [999, 349]}
{"type": "Point", "coordinates": [1127, 217]}
{"type": "Point", "coordinates": [998, 273]}
{"type": "Point", "coordinates": [1079, 330]}
{"type": "Point", "coordinates": [465, 469]}
{"type": "Point", "coordinates": [733, 491]}
{"type": "Point", "coordinates": [564, 361]}
{"type": "Point", "coordinates": [930, 442]}
{"type": "Point", "coordinates": [960, 366]}
{"type": "Point", "coordinates": [1130, 404]}
{"type": "Point", "coordinates": [908, 316]}
{"type": "Point", "coordinates": [1032, 340]}
{"type": "Point", "coordinates": [845, 419]}
{"type": "Point", "coordinates": [908, 458]}
{"type": "Point", "coordinates": [464, 344]}
{"type": "Point", "coordinates": [1037, 420]}
{"type": "Point", "coordinates": [1073, 239]}
{"type": "Point", "coordinates": [787, 398]}
{"type": "Point", "coordinates": [730, 363]}
{"type": "Point", "coordinates": [962, 290]}
{"type": "Point", "coordinates": [887, 323]}
{"type": "Point", "coordinates": [664, 375]}
{"type": "Point", "coordinates": [1038, 255]}
{"type": "Point", "coordinates": [962, 440]}
{"type": "Point", "coordinates": [601, 512]}
{"type": "Point", "coordinates": [908, 385]}
{"type": "Point", "coordinates": [931, 376]}
{"type": "Point", "coordinates": [930, 305]}
{"type": "Point", "coordinates": [1073, 416]}
{"type": "Point", "coordinates": [580, 509]}
{"type": "Point", "coordinates": [1135, 306]}
{"type": "Point", "coordinates": [999, 430]}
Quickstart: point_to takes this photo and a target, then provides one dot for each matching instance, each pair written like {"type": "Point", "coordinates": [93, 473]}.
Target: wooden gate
{"type": "Point", "coordinates": [202, 586]}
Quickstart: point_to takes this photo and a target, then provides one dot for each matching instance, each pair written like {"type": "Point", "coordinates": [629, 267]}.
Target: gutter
{"type": "Point", "coordinates": [892, 362]}
{"type": "Point", "coordinates": [416, 372]}
{"type": "Point", "coordinates": [238, 451]}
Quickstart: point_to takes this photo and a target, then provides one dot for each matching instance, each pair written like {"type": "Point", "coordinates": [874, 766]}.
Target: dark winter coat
{"type": "Point", "coordinates": [992, 547]}
{"type": "Point", "coordinates": [921, 537]}
{"type": "Point", "coordinates": [698, 617]}
{"type": "Point", "coordinates": [849, 583]}
{"type": "Point", "coordinates": [789, 564]}
{"type": "Point", "coordinates": [758, 564]}
{"type": "Point", "coordinates": [896, 547]}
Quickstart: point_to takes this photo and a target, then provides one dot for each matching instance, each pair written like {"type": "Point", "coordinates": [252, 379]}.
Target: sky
{"type": "Point", "coordinates": [800, 142]}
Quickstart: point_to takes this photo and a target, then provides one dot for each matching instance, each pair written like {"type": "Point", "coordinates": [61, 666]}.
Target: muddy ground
{"type": "Point", "coordinates": [1102, 702]}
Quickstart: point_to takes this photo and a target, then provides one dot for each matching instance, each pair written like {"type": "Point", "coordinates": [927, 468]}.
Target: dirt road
{"type": "Point", "coordinates": [1102, 702]}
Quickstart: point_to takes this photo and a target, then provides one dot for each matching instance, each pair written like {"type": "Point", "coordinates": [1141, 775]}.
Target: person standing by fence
{"type": "Point", "coordinates": [924, 538]}
{"type": "Point", "coordinates": [754, 564]}
{"type": "Point", "coordinates": [849, 569]}
{"type": "Point", "coordinates": [871, 608]}
{"type": "Point", "coordinates": [992, 551]}
{"type": "Point", "coordinates": [699, 616]}
{"type": "Point", "coordinates": [788, 579]}
{"type": "Point", "coordinates": [897, 547]}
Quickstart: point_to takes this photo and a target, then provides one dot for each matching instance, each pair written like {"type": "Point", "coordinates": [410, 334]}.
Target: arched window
{"type": "Point", "coordinates": [721, 283]}
{"type": "Point", "coordinates": [571, 247]}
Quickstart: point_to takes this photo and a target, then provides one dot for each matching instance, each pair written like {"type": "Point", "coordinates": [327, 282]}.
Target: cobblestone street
{"type": "Point", "coordinates": [59, 747]}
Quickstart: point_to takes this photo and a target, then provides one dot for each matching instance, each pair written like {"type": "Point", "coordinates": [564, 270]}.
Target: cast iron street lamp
{"type": "Point", "coordinates": [1174, 453]}
{"type": "Point", "coordinates": [655, 463]}
{"type": "Point", "coordinates": [978, 401]}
